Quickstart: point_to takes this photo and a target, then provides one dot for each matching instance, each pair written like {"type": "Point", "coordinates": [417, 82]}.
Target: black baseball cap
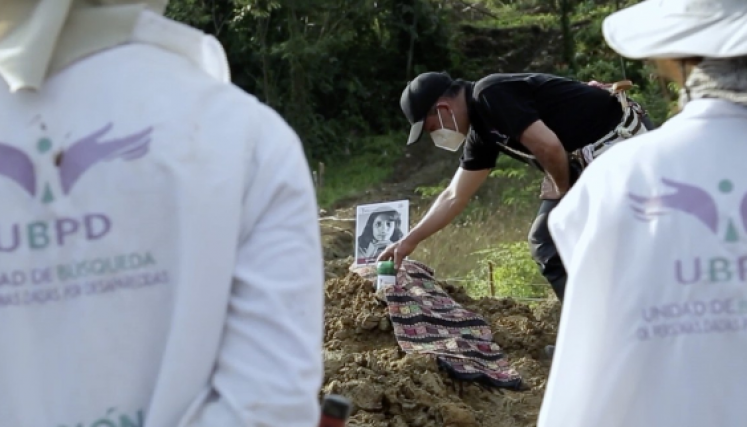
{"type": "Point", "coordinates": [418, 98]}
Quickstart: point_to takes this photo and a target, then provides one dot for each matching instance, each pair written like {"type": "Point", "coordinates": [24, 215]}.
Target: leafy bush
{"type": "Point", "coordinates": [522, 183]}
{"type": "Point", "coordinates": [515, 274]}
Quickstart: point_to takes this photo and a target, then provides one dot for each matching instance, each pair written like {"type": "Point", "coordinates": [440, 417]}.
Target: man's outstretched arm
{"type": "Point", "coordinates": [550, 153]}
{"type": "Point", "coordinates": [449, 204]}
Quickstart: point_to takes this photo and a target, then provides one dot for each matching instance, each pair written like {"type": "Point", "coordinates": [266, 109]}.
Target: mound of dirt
{"type": "Point", "coordinates": [392, 389]}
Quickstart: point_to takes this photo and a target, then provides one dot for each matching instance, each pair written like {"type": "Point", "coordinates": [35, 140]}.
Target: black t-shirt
{"type": "Point", "coordinates": [502, 106]}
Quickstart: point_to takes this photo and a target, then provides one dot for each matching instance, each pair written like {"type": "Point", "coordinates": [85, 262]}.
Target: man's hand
{"type": "Point", "coordinates": [450, 203]}
{"type": "Point", "coordinates": [398, 251]}
{"type": "Point", "coordinates": [374, 248]}
{"type": "Point", "coordinates": [550, 153]}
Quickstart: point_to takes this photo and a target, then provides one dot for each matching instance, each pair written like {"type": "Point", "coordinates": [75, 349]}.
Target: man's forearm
{"type": "Point", "coordinates": [550, 154]}
{"type": "Point", "coordinates": [444, 210]}
{"type": "Point", "coordinates": [555, 162]}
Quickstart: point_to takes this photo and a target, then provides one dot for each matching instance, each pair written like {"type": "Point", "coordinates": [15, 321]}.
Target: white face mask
{"type": "Point", "coordinates": [446, 138]}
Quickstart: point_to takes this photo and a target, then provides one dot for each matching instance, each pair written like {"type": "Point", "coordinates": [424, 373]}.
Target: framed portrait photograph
{"type": "Point", "coordinates": [377, 226]}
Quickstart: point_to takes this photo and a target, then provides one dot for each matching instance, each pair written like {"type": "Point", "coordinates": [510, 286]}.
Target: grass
{"type": "Point", "coordinates": [369, 166]}
{"type": "Point", "coordinates": [492, 230]}
{"type": "Point", "coordinates": [514, 273]}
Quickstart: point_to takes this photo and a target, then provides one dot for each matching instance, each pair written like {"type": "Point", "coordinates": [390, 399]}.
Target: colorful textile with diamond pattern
{"type": "Point", "coordinates": [427, 320]}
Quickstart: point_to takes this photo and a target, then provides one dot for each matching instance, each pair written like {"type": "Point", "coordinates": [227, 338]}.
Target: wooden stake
{"type": "Point", "coordinates": [492, 283]}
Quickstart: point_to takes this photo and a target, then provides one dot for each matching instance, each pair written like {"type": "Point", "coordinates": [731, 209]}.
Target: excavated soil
{"type": "Point", "coordinates": [392, 389]}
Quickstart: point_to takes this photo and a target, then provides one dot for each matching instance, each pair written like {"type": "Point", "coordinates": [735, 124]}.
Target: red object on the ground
{"type": "Point", "coordinates": [335, 411]}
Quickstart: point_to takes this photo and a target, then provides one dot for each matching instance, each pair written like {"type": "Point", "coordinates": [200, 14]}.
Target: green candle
{"type": "Point", "coordinates": [387, 274]}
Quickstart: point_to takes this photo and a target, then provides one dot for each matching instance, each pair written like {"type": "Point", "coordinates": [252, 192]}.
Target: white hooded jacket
{"type": "Point", "coordinates": [653, 330]}
{"type": "Point", "coordinates": [160, 257]}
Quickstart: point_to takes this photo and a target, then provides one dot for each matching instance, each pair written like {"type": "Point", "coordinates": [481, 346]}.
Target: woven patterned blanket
{"type": "Point", "coordinates": [427, 320]}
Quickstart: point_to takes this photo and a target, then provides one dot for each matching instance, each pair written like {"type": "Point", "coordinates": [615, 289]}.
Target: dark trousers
{"type": "Point", "coordinates": [543, 249]}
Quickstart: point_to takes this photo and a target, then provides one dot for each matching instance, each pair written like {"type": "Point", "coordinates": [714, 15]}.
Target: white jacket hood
{"type": "Point", "coordinates": [39, 37]}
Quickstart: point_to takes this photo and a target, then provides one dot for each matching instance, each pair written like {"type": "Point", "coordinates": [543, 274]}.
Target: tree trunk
{"type": "Point", "coordinates": [411, 50]}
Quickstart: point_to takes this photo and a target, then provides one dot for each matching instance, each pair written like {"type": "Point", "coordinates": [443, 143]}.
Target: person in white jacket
{"type": "Point", "coordinates": [654, 236]}
{"type": "Point", "coordinates": [160, 256]}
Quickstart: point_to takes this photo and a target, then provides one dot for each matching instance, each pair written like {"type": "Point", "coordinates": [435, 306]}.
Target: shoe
{"type": "Point", "coordinates": [550, 351]}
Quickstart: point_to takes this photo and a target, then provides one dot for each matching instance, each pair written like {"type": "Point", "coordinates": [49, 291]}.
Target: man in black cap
{"type": "Point", "coordinates": [555, 124]}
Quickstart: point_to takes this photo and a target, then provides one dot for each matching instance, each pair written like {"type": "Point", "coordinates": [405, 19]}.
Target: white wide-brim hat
{"type": "Point", "coordinates": [679, 29]}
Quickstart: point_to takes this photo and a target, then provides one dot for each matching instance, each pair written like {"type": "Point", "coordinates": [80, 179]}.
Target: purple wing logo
{"type": "Point", "coordinates": [743, 211]}
{"type": "Point", "coordinates": [686, 198]}
{"type": "Point", "coordinates": [82, 156]}
{"type": "Point", "coordinates": [90, 151]}
{"type": "Point", "coordinates": [17, 166]}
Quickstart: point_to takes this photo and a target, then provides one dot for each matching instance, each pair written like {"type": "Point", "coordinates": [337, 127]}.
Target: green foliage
{"type": "Point", "coordinates": [522, 183]}
{"type": "Point", "coordinates": [507, 17]}
{"type": "Point", "coordinates": [360, 171]}
{"type": "Point", "coordinates": [515, 274]}
{"type": "Point", "coordinates": [430, 192]}
{"type": "Point", "coordinates": [596, 61]}
{"type": "Point", "coordinates": [333, 68]}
